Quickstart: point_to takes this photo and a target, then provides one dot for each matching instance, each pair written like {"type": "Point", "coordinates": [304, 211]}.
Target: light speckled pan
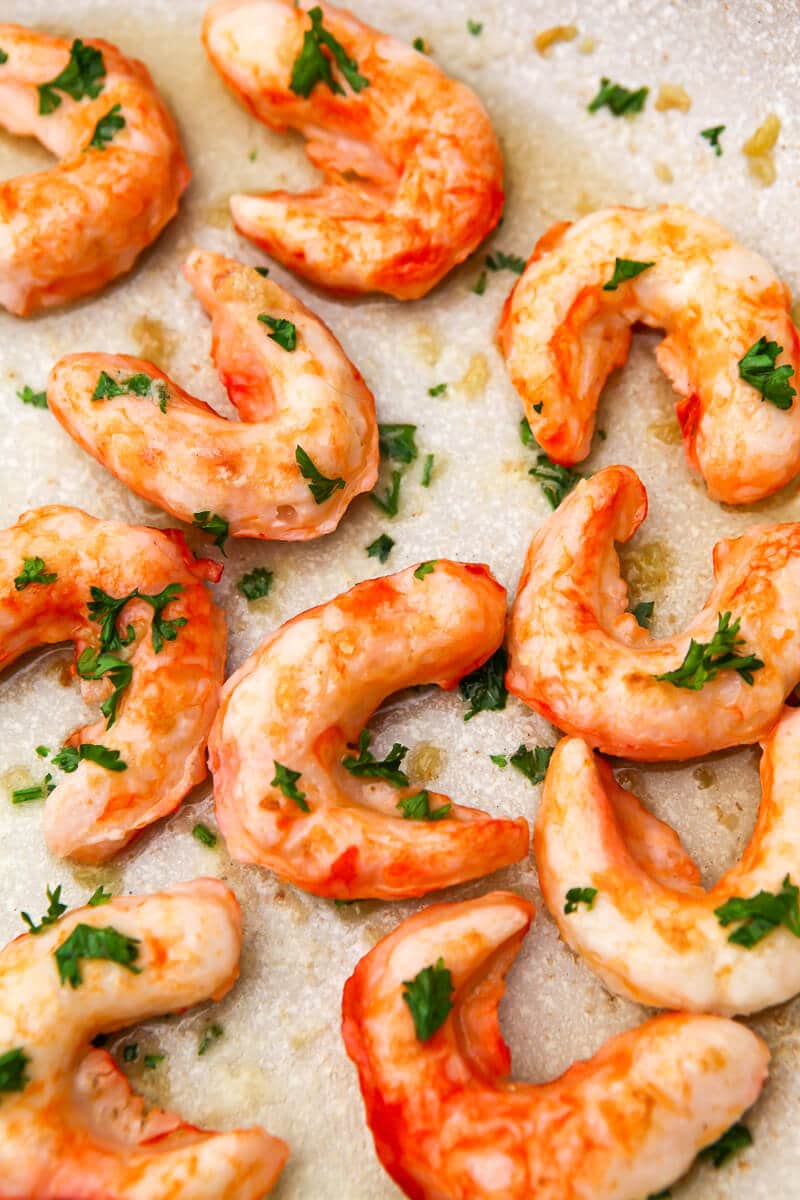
{"type": "Point", "coordinates": [281, 1060]}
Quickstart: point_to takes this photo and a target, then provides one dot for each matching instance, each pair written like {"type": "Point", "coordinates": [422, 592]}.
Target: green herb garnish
{"type": "Point", "coordinates": [712, 136]}
{"type": "Point", "coordinates": [474, 27]}
{"type": "Point", "coordinates": [108, 388]}
{"type": "Point", "coordinates": [758, 369]}
{"type": "Point", "coordinates": [130, 1053]}
{"type": "Point", "coordinates": [419, 44]}
{"type": "Point", "coordinates": [533, 763]}
{"type": "Point", "coordinates": [484, 689]}
{"type": "Point", "coordinates": [256, 584]}
{"type": "Point", "coordinates": [283, 332]}
{"type": "Point", "coordinates": [35, 791]}
{"type": "Point", "coordinates": [54, 910]}
{"type": "Point", "coordinates": [737, 1138]}
{"type": "Point", "coordinates": [94, 664]}
{"type": "Point", "coordinates": [704, 660]}
{"type": "Point", "coordinates": [579, 895]}
{"type": "Point", "coordinates": [427, 471]}
{"type": "Point", "coordinates": [643, 613]}
{"type": "Point", "coordinates": [390, 501]}
{"type": "Point", "coordinates": [479, 286]}
{"type": "Point", "coordinates": [12, 1070]}
{"type": "Point", "coordinates": [204, 835]}
{"type": "Point", "coordinates": [397, 442]}
{"type": "Point", "coordinates": [87, 941]}
{"type": "Point", "coordinates": [3, 57]}
{"type": "Point", "coordinates": [29, 396]}
{"type": "Point", "coordinates": [761, 914]}
{"type": "Point", "coordinates": [212, 524]}
{"type": "Point", "coordinates": [499, 261]}
{"type": "Point", "coordinates": [429, 999]}
{"type": "Point", "coordinates": [33, 571]}
{"type": "Point", "coordinates": [106, 127]}
{"type": "Point", "coordinates": [151, 1061]}
{"type": "Point", "coordinates": [68, 757]}
{"type": "Point", "coordinates": [319, 485]}
{"type": "Point", "coordinates": [208, 1037]}
{"type": "Point", "coordinates": [425, 569]}
{"type": "Point", "coordinates": [82, 76]}
{"type": "Point", "coordinates": [418, 808]}
{"type": "Point", "coordinates": [99, 897]}
{"type": "Point", "coordinates": [438, 389]}
{"type": "Point", "coordinates": [625, 269]}
{"type": "Point", "coordinates": [312, 66]}
{"type": "Point", "coordinates": [555, 481]}
{"type": "Point", "coordinates": [619, 99]}
{"type": "Point", "coordinates": [366, 766]}
{"type": "Point", "coordinates": [286, 780]}
{"type": "Point", "coordinates": [381, 548]}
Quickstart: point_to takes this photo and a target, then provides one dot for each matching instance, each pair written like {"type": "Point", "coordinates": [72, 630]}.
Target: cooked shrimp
{"type": "Point", "coordinates": [447, 1123]}
{"type": "Point", "coordinates": [158, 654]}
{"type": "Point", "coordinates": [652, 933]}
{"type": "Point", "coordinates": [413, 175]}
{"type": "Point", "coordinates": [67, 231]}
{"type": "Point", "coordinates": [178, 453]}
{"type": "Point", "coordinates": [285, 798]}
{"type": "Point", "coordinates": [70, 1126]}
{"type": "Point", "coordinates": [577, 656]}
{"type": "Point", "coordinates": [562, 333]}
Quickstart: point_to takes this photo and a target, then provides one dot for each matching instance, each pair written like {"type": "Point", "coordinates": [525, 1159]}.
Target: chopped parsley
{"type": "Point", "coordinates": [525, 434]}
{"type": "Point", "coordinates": [82, 76]}
{"type": "Point", "coordinates": [43, 751]}
{"type": "Point", "coordinates": [533, 763]}
{"type": "Point", "coordinates": [620, 100]}
{"type": "Point", "coordinates": [33, 571]}
{"type": "Point", "coordinates": [737, 1138]}
{"type": "Point", "coordinates": [130, 1053]}
{"type": "Point", "coordinates": [479, 286]}
{"type": "Point", "coordinates": [367, 766]}
{"type": "Point", "coordinates": [390, 501]}
{"type": "Point", "coordinates": [319, 485]}
{"type": "Point", "coordinates": [69, 757]}
{"type": "Point", "coordinates": [484, 689]}
{"type": "Point", "coordinates": [704, 660]}
{"type": "Point", "coordinates": [29, 396]}
{"type": "Point", "coordinates": [625, 269]}
{"type": "Point", "coordinates": [12, 1070]}
{"type": "Point", "coordinates": [208, 1038]}
{"type": "Point", "coordinates": [212, 524]}
{"type": "Point", "coordinates": [420, 45]}
{"type": "Point", "coordinates": [427, 471]}
{"type": "Point", "coordinates": [106, 127]}
{"type": "Point", "coordinates": [424, 569]}
{"type": "Point", "coordinates": [283, 332]}
{"type": "Point", "coordinates": [151, 1061]}
{"type": "Point", "coordinates": [99, 897]}
{"type": "Point", "coordinates": [55, 908]}
{"type": "Point", "coordinates": [758, 369]}
{"type": "Point", "coordinates": [256, 584]}
{"type": "Point", "coordinates": [397, 442]}
{"type": "Point", "coordinates": [418, 808]}
{"type": "Point", "coordinates": [312, 65]}
{"type": "Point", "coordinates": [474, 27]}
{"type": "Point", "coordinates": [643, 613]}
{"type": "Point", "coordinates": [286, 780]}
{"type": "Point", "coordinates": [135, 385]}
{"type": "Point", "coordinates": [579, 895]}
{"type": "Point", "coordinates": [429, 996]}
{"type": "Point", "coordinates": [438, 389]}
{"type": "Point", "coordinates": [106, 609]}
{"type": "Point", "coordinates": [555, 481]}
{"type": "Point", "coordinates": [712, 136]}
{"type": "Point", "coordinates": [761, 914]}
{"type": "Point", "coordinates": [499, 261]}
{"type": "Point", "coordinates": [93, 664]}
{"type": "Point", "coordinates": [3, 57]}
{"type": "Point", "coordinates": [204, 835]}
{"type": "Point", "coordinates": [35, 791]}
{"type": "Point", "coordinates": [381, 548]}
{"type": "Point", "coordinates": [262, 271]}
{"type": "Point", "coordinates": [88, 941]}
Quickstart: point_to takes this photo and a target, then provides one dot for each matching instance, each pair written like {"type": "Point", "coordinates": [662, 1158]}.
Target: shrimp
{"type": "Point", "coordinates": [149, 642]}
{"type": "Point", "coordinates": [291, 796]}
{"type": "Point", "coordinates": [446, 1122]}
{"type": "Point", "coordinates": [583, 662]}
{"type": "Point", "coordinates": [68, 231]}
{"type": "Point", "coordinates": [413, 175]}
{"type": "Point", "coordinates": [652, 933]}
{"type": "Point", "coordinates": [70, 1124]}
{"type": "Point", "coordinates": [562, 332]}
{"type": "Point", "coordinates": [308, 440]}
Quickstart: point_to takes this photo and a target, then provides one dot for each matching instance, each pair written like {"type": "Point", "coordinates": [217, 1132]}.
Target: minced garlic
{"type": "Point", "coordinates": [672, 95]}
{"type": "Point", "coordinates": [758, 149]}
{"type": "Point", "coordinates": [556, 33]}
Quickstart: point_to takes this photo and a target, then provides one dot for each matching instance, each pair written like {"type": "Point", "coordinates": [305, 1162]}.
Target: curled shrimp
{"type": "Point", "coordinates": [307, 443]}
{"type": "Point", "coordinates": [67, 231]}
{"type": "Point", "coordinates": [150, 643]}
{"type": "Point", "coordinates": [446, 1122]}
{"type": "Point", "coordinates": [577, 656]}
{"type": "Point", "coordinates": [413, 175]}
{"type": "Point", "coordinates": [284, 797]}
{"type": "Point", "coordinates": [562, 333]}
{"type": "Point", "coordinates": [70, 1124]}
{"type": "Point", "coordinates": [652, 933]}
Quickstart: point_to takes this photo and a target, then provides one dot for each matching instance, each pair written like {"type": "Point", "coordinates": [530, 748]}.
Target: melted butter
{"type": "Point", "coordinates": [154, 340]}
{"type": "Point", "coordinates": [425, 762]}
{"type": "Point", "coordinates": [647, 568]}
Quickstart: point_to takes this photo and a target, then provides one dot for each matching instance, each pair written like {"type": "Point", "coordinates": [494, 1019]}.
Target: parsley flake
{"type": "Point", "coordinates": [208, 1038]}
{"type": "Point", "coordinates": [420, 45]}
{"type": "Point", "coordinates": [474, 27]}
{"type": "Point", "coordinates": [33, 571]}
{"type": "Point", "coordinates": [3, 57]}
{"type": "Point", "coordinates": [319, 485]}
{"type": "Point", "coordinates": [69, 757]}
{"type": "Point", "coordinates": [151, 1061]}
{"type": "Point", "coordinates": [12, 1070]}
{"type": "Point", "coordinates": [367, 766]}
{"type": "Point", "coordinates": [620, 100]}
{"type": "Point", "coordinates": [204, 835]}
{"type": "Point", "coordinates": [555, 481]}
{"type": "Point", "coordinates": [130, 1053]}
{"type": "Point", "coordinates": [704, 660]}
{"type": "Point", "coordinates": [533, 763]}
{"type": "Point", "coordinates": [499, 261]}
{"type": "Point", "coordinates": [427, 471]}
{"type": "Point", "coordinates": [83, 76]}
{"type": "Point", "coordinates": [312, 66]}
{"type": "Point", "coordinates": [397, 442]}
{"type": "Point", "coordinates": [712, 136]}
{"type": "Point", "coordinates": [108, 388]}
{"type": "Point", "coordinates": [286, 780]}
{"type": "Point", "coordinates": [390, 501]}
{"type": "Point", "coordinates": [737, 1138]}
{"type": "Point", "coordinates": [54, 910]}
{"type": "Point", "coordinates": [761, 914]}
{"type": "Point", "coordinates": [579, 895]}
{"type": "Point", "coordinates": [425, 569]}
{"type": "Point", "coordinates": [479, 286]}
{"type": "Point", "coordinates": [643, 613]}
{"type": "Point", "coordinates": [29, 396]}
{"type": "Point", "coordinates": [758, 369]}
{"type": "Point", "coordinates": [283, 332]}
{"type": "Point", "coordinates": [381, 548]}
{"type": "Point", "coordinates": [106, 609]}
{"type": "Point", "coordinates": [429, 996]}
{"type": "Point", "coordinates": [99, 897]}
{"type": "Point", "coordinates": [35, 791]}
{"type": "Point", "coordinates": [88, 941]}
{"type": "Point", "coordinates": [438, 389]}
{"type": "Point", "coordinates": [484, 689]}
{"type": "Point", "coordinates": [93, 664]}
{"type": "Point", "coordinates": [418, 808]}
{"type": "Point", "coordinates": [256, 584]}
{"type": "Point", "coordinates": [262, 271]}
{"type": "Point", "coordinates": [525, 433]}
{"type": "Point", "coordinates": [625, 269]}
{"type": "Point", "coordinates": [212, 524]}
{"type": "Point", "coordinates": [106, 127]}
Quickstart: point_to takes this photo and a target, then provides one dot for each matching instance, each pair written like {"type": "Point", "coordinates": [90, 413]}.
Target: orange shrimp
{"type": "Point", "coordinates": [284, 794]}
{"type": "Point", "coordinates": [67, 231]}
{"type": "Point", "coordinates": [150, 643]}
{"type": "Point", "coordinates": [413, 175]}
{"type": "Point", "coordinates": [446, 1121]}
